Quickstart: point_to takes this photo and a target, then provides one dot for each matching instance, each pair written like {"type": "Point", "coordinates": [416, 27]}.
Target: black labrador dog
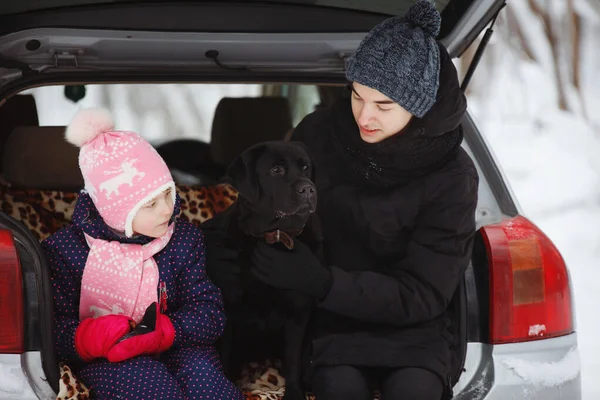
{"type": "Point", "coordinates": [276, 203]}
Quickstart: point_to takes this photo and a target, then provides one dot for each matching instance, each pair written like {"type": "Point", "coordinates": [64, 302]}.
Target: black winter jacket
{"type": "Point", "coordinates": [397, 253]}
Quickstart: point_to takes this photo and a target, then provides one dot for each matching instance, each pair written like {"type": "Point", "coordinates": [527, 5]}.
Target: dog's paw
{"type": "Point", "coordinates": [292, 393]}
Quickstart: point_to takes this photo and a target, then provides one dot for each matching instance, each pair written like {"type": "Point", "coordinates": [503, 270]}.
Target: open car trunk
{"type": "Point", "coordinates": [148, 41]}
{"type": "Point", "coordinates": [122, 40]}
{"type": "Point", "coordinates": [44, 211]}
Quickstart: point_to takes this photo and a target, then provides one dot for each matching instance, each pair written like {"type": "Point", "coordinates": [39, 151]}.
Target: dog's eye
{"type": "Point", "coordinates": [305, 167]}
{"type": "Point", "coordinates": [277, 170]}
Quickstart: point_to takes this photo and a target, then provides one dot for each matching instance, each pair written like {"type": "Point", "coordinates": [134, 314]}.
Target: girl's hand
{"type": "Point", "coordinates": [96, 336]}
{"type": "Point", "coordinates": [155, 342]}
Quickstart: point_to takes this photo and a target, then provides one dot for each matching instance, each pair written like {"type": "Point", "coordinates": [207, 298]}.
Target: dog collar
{"type": "Point", "coordinates": [279, 236]}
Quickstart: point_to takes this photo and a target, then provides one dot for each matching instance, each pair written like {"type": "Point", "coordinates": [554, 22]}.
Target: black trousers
{"type": "Point", "coordinates": [345, 382]}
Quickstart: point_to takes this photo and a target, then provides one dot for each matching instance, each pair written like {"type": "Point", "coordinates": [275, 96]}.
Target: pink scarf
{"type": "Point", "coordinates": [120, 278]}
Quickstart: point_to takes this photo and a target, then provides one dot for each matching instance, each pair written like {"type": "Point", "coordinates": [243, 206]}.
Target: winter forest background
{"type": "Point", "coordinates": [536, 98]}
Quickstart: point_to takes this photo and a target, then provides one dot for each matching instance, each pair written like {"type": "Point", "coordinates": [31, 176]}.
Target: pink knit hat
{"type": "Point", "coordinates": [120, 169]}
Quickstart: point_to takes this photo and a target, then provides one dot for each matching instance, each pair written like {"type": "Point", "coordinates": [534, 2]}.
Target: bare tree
{"type": "Point", "coordinates": [550, 30]}
{"type": "Point", "coordinates": [574, 22]}
{"type": "Point", "coordinates": [514, 27]}
{"type": "Point", "coordinates": [561, 31]}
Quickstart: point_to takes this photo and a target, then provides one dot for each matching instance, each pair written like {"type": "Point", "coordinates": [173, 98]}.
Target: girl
{"type": "Point", "coordinates": [125, 252]}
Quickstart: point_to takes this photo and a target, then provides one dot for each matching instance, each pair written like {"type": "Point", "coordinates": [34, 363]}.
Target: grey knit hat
{"type": "Point", "coordinates": [401, 59]}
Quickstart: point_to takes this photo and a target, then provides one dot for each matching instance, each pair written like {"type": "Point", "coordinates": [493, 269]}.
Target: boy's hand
{"type": "Point", "coordinates": [297, 269]}
{"type": "Point", "coordinates": [96, 336]}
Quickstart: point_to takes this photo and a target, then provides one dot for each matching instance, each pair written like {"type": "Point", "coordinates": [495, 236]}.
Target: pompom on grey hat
{"type": "Point", "coordinates": [401, 59]}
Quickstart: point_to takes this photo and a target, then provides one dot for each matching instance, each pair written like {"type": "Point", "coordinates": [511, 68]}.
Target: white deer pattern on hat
{"type": "Point", "coordinates": [127, 173]}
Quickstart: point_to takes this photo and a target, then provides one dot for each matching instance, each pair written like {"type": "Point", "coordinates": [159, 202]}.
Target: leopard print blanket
{"type": "Point", "coordinates": [44, 212]}
{"type": "Point", "coordinates": [258, 382]}
{"type": "Point", "coordinates": [69, 387]}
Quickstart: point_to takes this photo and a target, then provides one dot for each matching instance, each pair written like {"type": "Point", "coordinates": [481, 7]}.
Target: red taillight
{"type": "Point", "coordinates": [530, 297]}
{"type": "Point", "coordinates": [11, 296]}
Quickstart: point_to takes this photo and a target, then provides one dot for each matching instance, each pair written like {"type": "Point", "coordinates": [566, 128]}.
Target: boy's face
{"type": "Point", "coordinates": [153, 218]}
{"type": "Point", "coordinates": [377, 116]}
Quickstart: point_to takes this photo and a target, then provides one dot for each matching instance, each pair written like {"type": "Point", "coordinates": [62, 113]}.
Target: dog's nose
{"type": "Point", "coordinates": [305, 188]}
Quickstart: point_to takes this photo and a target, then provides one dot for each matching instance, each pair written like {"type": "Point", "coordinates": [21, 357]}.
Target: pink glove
{"type": "Point", "coordinates": [94, 337]}
{"type": "Point", "coordinates": [155, 342]}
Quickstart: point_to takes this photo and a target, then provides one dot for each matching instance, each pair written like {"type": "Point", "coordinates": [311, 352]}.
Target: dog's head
{"type": "Point", "coordinates": [275, 182]}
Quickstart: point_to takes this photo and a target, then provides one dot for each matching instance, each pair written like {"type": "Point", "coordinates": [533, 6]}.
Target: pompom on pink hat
{"type": "Point", "coordinates": [121, 170]}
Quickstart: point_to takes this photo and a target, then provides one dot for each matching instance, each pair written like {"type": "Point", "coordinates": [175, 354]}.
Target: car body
{"type": "Point", "coordinates": [515, 305]}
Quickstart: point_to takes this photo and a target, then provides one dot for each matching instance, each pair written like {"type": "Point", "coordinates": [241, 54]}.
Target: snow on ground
{"type": "Point", "coordinates": [550, 159]}
{"type": "Point", "coordinates": [13, 384]}
{"type": "Point", "coordinates": [540, 374]}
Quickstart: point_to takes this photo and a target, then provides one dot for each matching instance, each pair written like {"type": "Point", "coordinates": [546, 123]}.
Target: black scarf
{"type": "Point", "coordinates": [395, 161]}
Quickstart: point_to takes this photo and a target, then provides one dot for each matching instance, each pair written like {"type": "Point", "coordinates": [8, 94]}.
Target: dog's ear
{"type": "Point", "coordinates": [241, 174]}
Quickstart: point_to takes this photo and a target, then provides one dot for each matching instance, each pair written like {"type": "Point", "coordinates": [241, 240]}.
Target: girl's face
{"type": "Point", "coordinates": [153, 218]}
{"type": "Point", "coordinates": [377, 116]}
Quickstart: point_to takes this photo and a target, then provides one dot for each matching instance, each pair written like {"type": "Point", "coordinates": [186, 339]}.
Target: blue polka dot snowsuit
{"type": "Point", "coordinates": [191, 369]}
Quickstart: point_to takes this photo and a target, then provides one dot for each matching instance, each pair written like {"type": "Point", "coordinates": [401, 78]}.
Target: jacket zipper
{"type": "Point", "coordinates": [162, 296]}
